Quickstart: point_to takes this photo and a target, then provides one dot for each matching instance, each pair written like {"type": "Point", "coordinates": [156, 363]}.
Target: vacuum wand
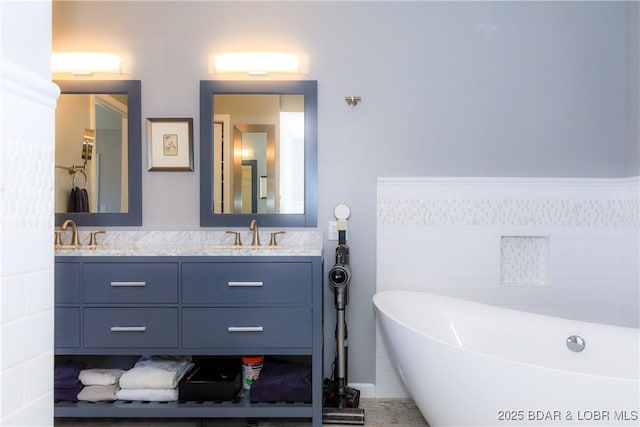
{"type": "Point", "coordinates": [341, 338]}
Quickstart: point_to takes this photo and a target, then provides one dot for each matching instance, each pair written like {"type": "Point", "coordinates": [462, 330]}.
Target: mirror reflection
{"type": "Point", "coordinates": [98, 173]}
{"type": "Point", "coordinates": [258, 153]}
{"type": "Point", "coordinates": [91, 153]}
{"type": "Point", "coordinates": [260, 140]}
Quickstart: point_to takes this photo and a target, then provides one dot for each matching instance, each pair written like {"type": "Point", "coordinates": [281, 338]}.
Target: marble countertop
{"type": "Point", "coordinates": [194, 243]}
{"type": "Point", "coordinates": [191, 250]}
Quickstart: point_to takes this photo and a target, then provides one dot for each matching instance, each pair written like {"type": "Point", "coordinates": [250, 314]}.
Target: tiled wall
{"type": "Point", "coordinates": [26, 247]}
{"type": "Point", "coordinates": [563, 247]}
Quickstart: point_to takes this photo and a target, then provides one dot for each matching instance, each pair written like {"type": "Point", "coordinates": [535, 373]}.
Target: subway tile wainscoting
{"type": "Point", "coordinates": [26, 202]}
{"type": "Point", "coordinates": [565, 247]}
{"type": "Point", "coordinates": [378, 412]}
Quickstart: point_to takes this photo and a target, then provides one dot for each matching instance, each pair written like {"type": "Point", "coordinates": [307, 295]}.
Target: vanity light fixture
{"type": "Point", "coordinates": [87, 63]}
{"type": "Point", "coordinates": [258, 63]}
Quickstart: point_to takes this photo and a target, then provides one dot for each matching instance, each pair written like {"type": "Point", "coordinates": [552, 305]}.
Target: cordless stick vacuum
{"type": "Point", "coordinates": [341, 402]}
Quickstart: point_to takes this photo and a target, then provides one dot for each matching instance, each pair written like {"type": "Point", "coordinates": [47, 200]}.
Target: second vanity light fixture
{"type": "Point", "coordinates": [87, 63]}
{"type": "Point", "coordinates": [258, 63]}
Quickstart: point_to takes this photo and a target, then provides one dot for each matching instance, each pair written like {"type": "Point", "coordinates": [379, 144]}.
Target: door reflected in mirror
{"type": "Point", "coordinates": [258, 135]}
{"type": "Point", "coordinates": [102, 177]}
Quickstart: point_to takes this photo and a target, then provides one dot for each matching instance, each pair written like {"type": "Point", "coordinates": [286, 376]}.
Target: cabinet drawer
{"type": "Point", "coordinates": [130, 327]}
{"type": "Point", "coordinates": [246, 327]}
{"type": "Point", "coordinates": [246, 283]}
{"type": "Point", "coordinates": [131, 283]}
{"type": "Point", "coordinates": [67, 327]}
{"type": "Point", "coordinates": [67, 283]}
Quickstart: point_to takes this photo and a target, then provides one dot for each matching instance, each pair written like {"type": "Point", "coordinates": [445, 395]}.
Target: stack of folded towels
{"type": "Point", "coordinates": [153, 379]}
{"type": "Point", "coordinates": [66, 384]}
{"type": "Point", "coordinates": [99, 384]}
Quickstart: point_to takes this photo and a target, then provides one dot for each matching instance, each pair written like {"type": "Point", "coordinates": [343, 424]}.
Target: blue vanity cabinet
{"type": "Point", "coordinates": [113, 306]}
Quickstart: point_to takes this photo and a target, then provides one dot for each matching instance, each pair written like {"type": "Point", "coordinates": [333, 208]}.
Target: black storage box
{"type": "Point", "coordinates": [212, 379]}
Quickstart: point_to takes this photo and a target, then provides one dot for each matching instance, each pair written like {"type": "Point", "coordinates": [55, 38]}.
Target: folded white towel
{"type": "Point", "coordinates": [100, 376]}
{"type": "Point", "coordinates": [98, 393]}
{"type": "Point", "coordinates": [148, 394]}
{"type": "Point", "coordinates": [155, 373]}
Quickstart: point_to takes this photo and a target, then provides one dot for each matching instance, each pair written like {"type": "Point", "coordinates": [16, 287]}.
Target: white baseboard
{"type": "Point", "coordinates": [367, 390]}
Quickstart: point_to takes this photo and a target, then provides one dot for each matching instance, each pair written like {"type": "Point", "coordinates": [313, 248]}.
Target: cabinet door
{"type": "Point", "coordinates": [246, 283]}
{"type": "Point", "coordinates": [67, 283]}
{"type": "Point", "coordinates": [67, 327]}
{"type": "Point", "coordinates": [246, 327]}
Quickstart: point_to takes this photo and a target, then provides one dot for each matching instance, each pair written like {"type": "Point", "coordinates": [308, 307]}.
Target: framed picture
{"type": "Point", "coordinates": [170, 144]}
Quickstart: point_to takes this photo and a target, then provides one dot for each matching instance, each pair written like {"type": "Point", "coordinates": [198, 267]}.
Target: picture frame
{"type": "Point", "coordinates": [170, 144]}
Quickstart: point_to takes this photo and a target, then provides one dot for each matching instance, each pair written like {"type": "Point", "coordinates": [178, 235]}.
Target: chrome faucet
{"type": "Point", "coordinates": [253, 226]}
{"type": "Point", "coordinates": [74, 230]}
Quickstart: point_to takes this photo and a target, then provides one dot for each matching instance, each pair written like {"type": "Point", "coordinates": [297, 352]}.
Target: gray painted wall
{"type": "Point", "coordinates": [448, 89]}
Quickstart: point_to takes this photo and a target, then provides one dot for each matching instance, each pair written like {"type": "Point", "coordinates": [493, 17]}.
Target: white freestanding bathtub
{"type": "Point", "coordinates": [472, 364]}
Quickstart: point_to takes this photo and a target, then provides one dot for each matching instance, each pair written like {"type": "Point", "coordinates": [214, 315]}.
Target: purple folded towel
{"type": "Point", "coordinates": [69, 383]}
{"type": "Point", "coordinates": [282, 382]}
{"type": "Point", "coordinates": [68, 370]}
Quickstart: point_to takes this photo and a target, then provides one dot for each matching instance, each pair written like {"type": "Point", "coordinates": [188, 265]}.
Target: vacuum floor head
{"type": "Point", "coordinates": [330, 398]}
{"type": "Point", "coordinates": [346, 416]}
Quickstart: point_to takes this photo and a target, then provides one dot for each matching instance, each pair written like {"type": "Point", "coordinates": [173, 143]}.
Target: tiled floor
{"type": "Point", "coordinates": [378, 412]}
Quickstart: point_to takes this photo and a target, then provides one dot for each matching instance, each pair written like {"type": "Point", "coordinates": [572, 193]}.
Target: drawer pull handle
{"type": "Point", "coordinates": [245, 329]}
{"type": "Point", "coordinates": [128, 284]}
{"type": "Point", "coordinates": [247, 284]}
{"type": "Point", "coordinates": [128, 328]}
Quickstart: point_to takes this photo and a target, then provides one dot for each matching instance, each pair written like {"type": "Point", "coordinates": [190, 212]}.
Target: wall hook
{"type": "Point", "coordinates": [352, 100]}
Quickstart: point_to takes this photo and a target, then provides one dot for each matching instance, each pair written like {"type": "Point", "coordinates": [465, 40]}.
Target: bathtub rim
{"type": "Point", "coordinates": [496, 357]}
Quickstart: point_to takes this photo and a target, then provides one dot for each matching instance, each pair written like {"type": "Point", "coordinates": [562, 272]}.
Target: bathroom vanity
{"type": "Point", "coordinates": [195, 300]}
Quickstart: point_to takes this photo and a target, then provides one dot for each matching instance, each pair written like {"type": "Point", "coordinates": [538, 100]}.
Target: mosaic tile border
{"type": "Point", "coordinates": [500, 209]}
